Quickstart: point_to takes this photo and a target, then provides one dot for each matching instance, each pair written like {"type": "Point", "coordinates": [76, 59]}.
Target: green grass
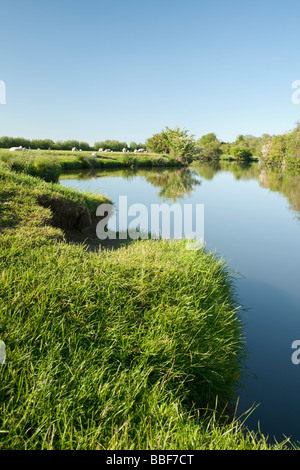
{"type": "Point", "coordinates": [137, 348]}
{"type": "Point", "coordinates": [49, 164]}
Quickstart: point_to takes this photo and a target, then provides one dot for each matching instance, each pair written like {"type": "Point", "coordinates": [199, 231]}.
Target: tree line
{"type": "Point", "coordinates": [283, 148]}
{"type": "Point", "coordinates": [182, 146]}
{"type": "Point", "coordinates": [48, 144]}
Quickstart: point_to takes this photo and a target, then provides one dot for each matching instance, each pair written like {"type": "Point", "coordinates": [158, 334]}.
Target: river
{"type": "Point", "coordinates": [252, 219]}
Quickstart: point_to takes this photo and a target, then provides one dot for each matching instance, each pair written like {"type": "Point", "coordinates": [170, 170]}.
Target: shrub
{"type": "Point", "coordinates": [49, 170]}
{"type": "Point", "coordinates": [241, 153]}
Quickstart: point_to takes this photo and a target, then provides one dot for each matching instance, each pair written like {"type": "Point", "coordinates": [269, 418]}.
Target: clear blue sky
{"type": "Point", "coordinates": [124, 69]}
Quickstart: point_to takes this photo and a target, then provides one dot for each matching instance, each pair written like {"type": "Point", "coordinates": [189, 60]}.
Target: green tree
{"type": "Point", "coordinates": [69, 144]}
{"type": "Point", "coordinates": [274, 150]}
{"type": "Point", "coordinates": [132, 146]}
{"type": "Point", "coordinates": [113, 145]}
{"type": "Point", "coordinates": [42, 144]}
{"type": "Point", "coordinates": [84, 146]}
{"type": "Point", "coordinates": [141, 146]}
{"type": "Point", "coordinates": [182, 145]}
{"type": "Point", "coordinates": [6, 142]}
{"type": "Point", "coordinates": [20, 141]}
{"type": "Point", "coordinates": [99, 145]}
{"type": "Point", "coordinates": [210, 146]}
{"type": "Point", "coordinates": [158, 143]}
{"type": "Point", "coordinates": [293, 145]}
{"type": "Point", "coordinates": [241, 153]}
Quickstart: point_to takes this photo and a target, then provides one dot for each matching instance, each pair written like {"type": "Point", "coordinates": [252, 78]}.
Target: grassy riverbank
{"type": "Point", "coordinates": [49, 164]}
{"type": "Point", "coordinates": [122, 349]}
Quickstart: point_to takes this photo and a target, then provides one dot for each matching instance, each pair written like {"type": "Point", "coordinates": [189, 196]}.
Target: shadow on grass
{"type": "Point", "coordinates": [90, 240]}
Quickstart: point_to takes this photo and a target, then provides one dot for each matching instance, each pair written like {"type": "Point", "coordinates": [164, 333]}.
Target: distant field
{"type": "Point", "coordinates": [67, 156]}
{"type": "Point", "coordinates": [48, 164]}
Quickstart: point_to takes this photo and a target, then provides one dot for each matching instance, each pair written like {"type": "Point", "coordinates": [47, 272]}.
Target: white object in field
{"type": "Point", "coordinates": [2, 352]}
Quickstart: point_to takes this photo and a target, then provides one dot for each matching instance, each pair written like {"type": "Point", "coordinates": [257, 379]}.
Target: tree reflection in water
{"type": "Point", "coordinates": [276, 178]}
{"type": "Point", "coordinates": [174, 184]}
{"type": "Point", "coordinates": [285, 181]}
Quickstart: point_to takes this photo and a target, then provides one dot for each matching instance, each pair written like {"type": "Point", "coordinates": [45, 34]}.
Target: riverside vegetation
{"type": "Point", "coordinates": [134, 348]}
{"type": "Point", "coordinates": [169, 148]}
{"type": "Point", "coordinates": [49, 164]}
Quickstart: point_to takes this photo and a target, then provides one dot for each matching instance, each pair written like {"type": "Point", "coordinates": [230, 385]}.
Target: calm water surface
{"type": "Point", "coordinates": [252, 218]}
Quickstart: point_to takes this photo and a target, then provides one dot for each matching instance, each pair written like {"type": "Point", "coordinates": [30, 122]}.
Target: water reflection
{"type": "Point", "coordinates": [285, 181]}
{"type": "Point", "coordinates": [241, 171]}
{"type": "Point", "coordinates": [174, 185]}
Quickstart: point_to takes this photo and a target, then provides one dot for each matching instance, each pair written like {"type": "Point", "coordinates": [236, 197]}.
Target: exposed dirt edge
{"type": "Point", "coordinates": [78, 225]}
